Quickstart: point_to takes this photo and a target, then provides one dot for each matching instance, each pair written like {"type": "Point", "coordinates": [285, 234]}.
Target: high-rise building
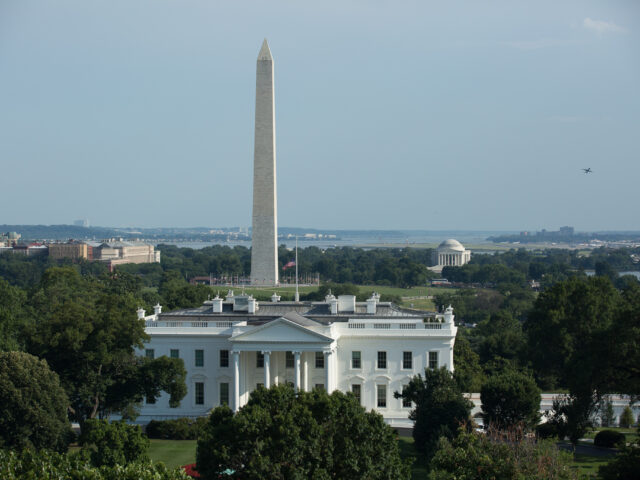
{"type": "Point", "coordinates": [264, 243]}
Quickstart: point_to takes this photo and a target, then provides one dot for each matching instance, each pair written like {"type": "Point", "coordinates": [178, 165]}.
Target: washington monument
{"type": "Point", "coordinates": [264, 237]}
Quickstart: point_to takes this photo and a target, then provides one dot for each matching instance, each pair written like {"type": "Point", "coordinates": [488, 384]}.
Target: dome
{"type": "Point", "coordinates": [451, 244]}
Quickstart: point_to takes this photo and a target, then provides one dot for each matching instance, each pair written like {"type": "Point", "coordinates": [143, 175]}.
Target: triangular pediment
{"type": "Point", "coordinates": [281, 330]}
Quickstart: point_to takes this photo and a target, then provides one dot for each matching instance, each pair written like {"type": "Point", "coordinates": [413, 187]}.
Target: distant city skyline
{"type": "Point", "coordinates": [391, 115]}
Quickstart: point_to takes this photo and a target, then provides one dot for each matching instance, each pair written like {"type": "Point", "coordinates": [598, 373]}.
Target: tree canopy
{"type": "Point", "coordinates": [440, 408]}
{"type": "Point", "coordinates": [33, 405]}
{"type": "Point", "coordinates": [88, 332]}
{"type": "Point", "coordinates": [284, 434]}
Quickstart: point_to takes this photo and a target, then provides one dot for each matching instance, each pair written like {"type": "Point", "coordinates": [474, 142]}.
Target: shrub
{"type": "Point", "coordinates": [114, 443]}
{"type": "Point", "coordinates": [546, 430]}
{"type": "Point", "coordinates": [33, 405]}
{"type": "Point", "coordinates": [45, 464]}
{"type": "Point", "coordinates": [179, 429]}
{"type": "Point", "coordinates": [609, 439]}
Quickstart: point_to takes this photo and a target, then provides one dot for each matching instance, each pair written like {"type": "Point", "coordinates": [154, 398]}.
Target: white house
{"type": "Point", "coordinates": [232, 346]}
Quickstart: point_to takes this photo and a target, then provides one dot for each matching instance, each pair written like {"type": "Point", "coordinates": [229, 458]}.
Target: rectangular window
{"type": "Point", "coordinates": [407, 360]}
{"type": "Point", "coordinates": [259, 360]}
{"type": "Point", "coordinates": [199, 393]}
{"type": "Point", "coordinates": [150, 353]}
{"type": "Point", "coordinates": [224, 394]}
{"type": "Point", "coordinates": [224, 358]}
{"type": "Point", "coordinates": [199, 358]}
{"type": "Point", "coordinates": [433, 359]}
{"type": "Point", "coordinates": [174, 353]}
{"type": "Point", "coordinates": [260, 385]}
{"type": "Point", "coordinates": [382, 396]}
{"type": "Point", "coordinates": [357, 391]}
{"type": "Point", "coordinates": [406, 403]}
{"type": "Point", "coordinates": [382, 360]}
{"type": "Point", "coordinates": [319, 386]}
{"type": "Point", "coordinates": [319, 360]}
{"type": "Point", "coordinates": [289, 359]}
{"type": "Point", "coordinates": [356, 360]}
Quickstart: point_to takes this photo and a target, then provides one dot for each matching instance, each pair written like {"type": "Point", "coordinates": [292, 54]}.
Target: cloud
{"type": "Point", "coordinates": [601, 27]}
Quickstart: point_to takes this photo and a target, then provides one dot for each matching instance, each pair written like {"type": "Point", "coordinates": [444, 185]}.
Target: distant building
{"type": "Point", "coordinates": [566, 231]}
{"type": "Point", "coordinates": [30, 250]}
{"type": "Point", "coordinates": [81, 223]}
{"type": "Point", "coordinates": [9, 239]}
{"type": "Point", "coordinates": [71, 249]}
{"type": "Point", "coordinates": [120, 252]}
{"type": "Point", "coordinates": [450, 253]}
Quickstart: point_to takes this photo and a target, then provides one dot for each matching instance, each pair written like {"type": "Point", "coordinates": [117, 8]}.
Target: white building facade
{"type": "Point", "coordinates": [231, 347]}
{"type": "Point", "coordinates": [450, 253]}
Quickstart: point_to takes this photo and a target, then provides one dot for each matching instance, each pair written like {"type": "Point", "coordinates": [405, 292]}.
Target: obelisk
{"type": "Point", "coordinates": [264, 236]}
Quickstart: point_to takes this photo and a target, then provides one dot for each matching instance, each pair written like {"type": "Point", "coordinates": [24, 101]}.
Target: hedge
{"type": "Point", "coordinates": [609, 439]}
{"type": "Point", "coordinates": [179, 429]}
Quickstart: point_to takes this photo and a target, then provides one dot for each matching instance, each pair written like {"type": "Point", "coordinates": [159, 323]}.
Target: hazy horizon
{"type": "Point", "coordinates": [389, 115]}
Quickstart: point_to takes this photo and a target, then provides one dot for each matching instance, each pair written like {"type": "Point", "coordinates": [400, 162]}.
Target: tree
{"type": "Point", "coordinates": [284, 434]}
{"type": "Point", "coordinates": [468, 373]}
{"type": "Point", "coordinates": [626, 418]}
{"type": "Point", "coordinates": [112, 444]}
{"type": "Point", "coordinates": [88, 332]}
{"type": "Point", "coordinates": [606, 414]}
{"type": "Point", "coordinates": [572, 415]}
{"type": "Point", "coordinates": [510, 398]}
{"type": "Point", "coordinates": [33, 405]}
{"type": "Point", "coordinates": [440, 408]}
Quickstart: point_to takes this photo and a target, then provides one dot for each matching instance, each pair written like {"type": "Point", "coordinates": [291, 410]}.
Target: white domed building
{"type": "Point", "coordinates": [451, 253]}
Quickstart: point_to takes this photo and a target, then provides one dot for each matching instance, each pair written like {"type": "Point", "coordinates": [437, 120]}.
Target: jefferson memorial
{"type": "Point", "coordinates": [450, 253]}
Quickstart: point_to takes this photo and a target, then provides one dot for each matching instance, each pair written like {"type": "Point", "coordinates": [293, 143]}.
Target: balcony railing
{"type": "Point", "coordinates": [187, 324]}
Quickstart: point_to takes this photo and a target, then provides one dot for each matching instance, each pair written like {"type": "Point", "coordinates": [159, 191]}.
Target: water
{"type": "Point", "coordinates": [362, 238]}
{"type": "Point", "coordinates": [591, 273]}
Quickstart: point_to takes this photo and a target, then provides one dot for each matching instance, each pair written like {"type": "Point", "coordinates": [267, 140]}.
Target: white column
{"type": "Point", "coordinates": [267, 367]}
{"type": "Point", "coordinates": [327, 371]}
{"type": "Point", "coordinates": [305, 371]}
{"type": "Point", "coordinates": [296, 369]}
{"type": "Point", "coordinates": [236, 380]}
{"type": "Point", "coordinates": [451, 358]}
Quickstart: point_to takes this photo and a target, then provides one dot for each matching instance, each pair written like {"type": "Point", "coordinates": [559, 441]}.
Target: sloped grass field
{"type": "Point", "coordinates": [173, 453]}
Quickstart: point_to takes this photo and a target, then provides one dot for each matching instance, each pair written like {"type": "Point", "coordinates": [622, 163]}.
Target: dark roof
{"type": "Point", "coordinates": [299, 319]}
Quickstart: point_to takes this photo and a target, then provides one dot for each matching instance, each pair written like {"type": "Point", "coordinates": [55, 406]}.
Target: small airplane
{"type": "Point", "coordinates": [587, 170]}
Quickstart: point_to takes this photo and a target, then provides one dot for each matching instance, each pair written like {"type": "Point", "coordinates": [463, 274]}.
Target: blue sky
{"type": "Point", "coordinates": [390, 114]}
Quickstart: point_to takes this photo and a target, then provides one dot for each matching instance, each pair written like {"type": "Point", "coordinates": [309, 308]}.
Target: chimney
{"type": "Point", "coordinates": [141, 313]}
{"type": "Point", "coordinates": [217, 304]}
{"type": "Point", "coordinates": [252, 305]}
{"type": "Point", "coordinates": [275, 298]}
{"type": "Point", "coordinates": [448, 315]}
{"type": "Point", "coordinates": [371, 304]}
{"type": "Point", "coordinates": [157, 309]}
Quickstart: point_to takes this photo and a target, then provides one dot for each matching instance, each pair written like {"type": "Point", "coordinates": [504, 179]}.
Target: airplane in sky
{"type": "Point", "coordinates": [587, 170]}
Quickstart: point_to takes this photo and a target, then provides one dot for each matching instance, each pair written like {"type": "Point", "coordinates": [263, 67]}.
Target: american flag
{"type": "Point", "coordinates": [289, 265]}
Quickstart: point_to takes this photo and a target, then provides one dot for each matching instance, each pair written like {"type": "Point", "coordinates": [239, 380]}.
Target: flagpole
{"type": "Point", "coordinates": [297, 298]}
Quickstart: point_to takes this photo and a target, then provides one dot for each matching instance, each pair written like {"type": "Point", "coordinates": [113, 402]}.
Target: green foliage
{"type": "Point", "coordinates": [179, 429]}
{"type": "Point", "coordinates": [607, 415]}
{"type": "Point", "coordinates": [484, 457]}
{"type": "Point", "coordinates": [624, 466]}
{"type": "Point", "coordinates": [573, 334]}
{"type": "Point", "coordinates": [12, 315]}
{"type": "Point", "coordinates": [626, 418]}
{"type": "Point", "coordinates": [440, 408]}
{"type": "Point", "coordinates": [572, 415]}
{"type": "Point", "coordinates": [468, 373]}
{"type": "Point", "coordinates": [33, 405]}
{"type": "Point", "coordinates": [609, 439]}
{"type": "Point", "coordinates": [281, 434]}
{"type": "Point", "coordinates": [88, 332]}
{"type": "Point", "coordinates": [176, 292]}
{"type": "Point", "coordinates": [112, 444]}
{"type": "Point", "coordinates": [48, 465]}
{"type": "Point", "coordinates": [546, 430]}
{"type": "Point", "coordinates": [510, 398]}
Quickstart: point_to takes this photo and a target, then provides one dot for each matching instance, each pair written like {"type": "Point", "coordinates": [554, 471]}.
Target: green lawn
{"type": "Point", "coordinates": [418, 469]}
{"type": "Point", "coordinates": [588, 464]}
{"type": "Point", "coordinates": [631, 434]}
{"type": "Point", "coordinates": [173, 453]}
